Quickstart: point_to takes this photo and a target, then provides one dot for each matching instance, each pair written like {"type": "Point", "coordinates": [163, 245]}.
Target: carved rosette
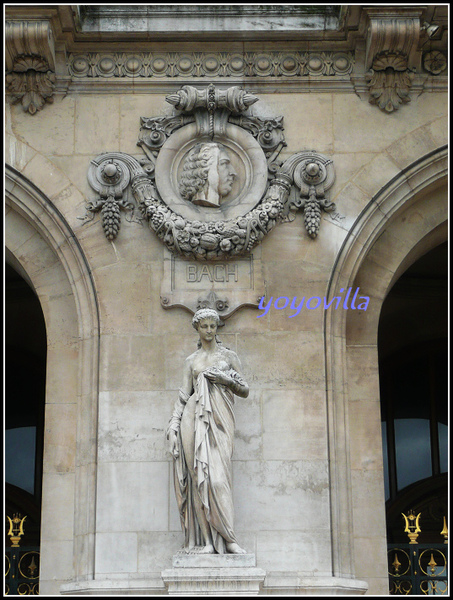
{"type": "Point", "coordinates": [390, 81]}
{"type": "Point", "coordinates": [239, 224]}
{"type": "Point", "coordinates": [435, 62]}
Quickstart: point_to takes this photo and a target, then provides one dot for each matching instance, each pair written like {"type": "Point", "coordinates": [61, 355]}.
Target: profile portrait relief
{"type": "Point", "coordinates": [208, 175]}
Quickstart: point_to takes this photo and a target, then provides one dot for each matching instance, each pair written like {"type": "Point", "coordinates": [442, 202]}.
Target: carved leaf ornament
{"type": "Point", "coordinates": [31, 82]}
{"type": "Point", "coordinates": [257, 190]}
{"type": "Point", "coordinates": [390, 81]}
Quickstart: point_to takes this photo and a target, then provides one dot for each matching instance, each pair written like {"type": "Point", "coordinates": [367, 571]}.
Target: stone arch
{"type": "Point", "coordinates": [403, 221]}
{"type": "Point", "coordinates": [42, 246]}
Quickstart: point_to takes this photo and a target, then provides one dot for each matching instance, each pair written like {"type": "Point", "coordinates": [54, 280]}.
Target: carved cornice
{"type": "Point", "coordinates": [340, 57]}
{"type": "Point", "coordinates": [30, 63]}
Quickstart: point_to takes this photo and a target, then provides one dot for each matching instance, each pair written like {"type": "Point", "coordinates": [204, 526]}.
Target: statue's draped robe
{"type": "Point", "coordinates": [213, 426]}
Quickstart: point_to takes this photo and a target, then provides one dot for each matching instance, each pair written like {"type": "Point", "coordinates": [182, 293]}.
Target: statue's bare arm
{"type": "Point", "coordinates": [184, 394]}
{"type": "Point", "coordinates": [241, 387]}
{"type": "Point", "coordinates": [187, 376]}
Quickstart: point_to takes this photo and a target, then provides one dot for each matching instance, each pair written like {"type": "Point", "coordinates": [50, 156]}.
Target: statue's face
{"type": "Point", "coordinates": [207, 328]}
{"type": "Point", "coordinates": [227, 174]}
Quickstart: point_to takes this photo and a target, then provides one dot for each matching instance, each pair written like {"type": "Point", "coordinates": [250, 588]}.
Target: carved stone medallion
{"type": "Point", "coordinates": [178, 171]}
{"type": "Point", "coordinates": [211, 188]}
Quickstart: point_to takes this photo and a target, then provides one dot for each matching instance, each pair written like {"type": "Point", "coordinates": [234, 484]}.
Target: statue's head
{"type": "Point", "coordinates": [203, 314]}
{"type": "Point", "coordinates": [207, 174]}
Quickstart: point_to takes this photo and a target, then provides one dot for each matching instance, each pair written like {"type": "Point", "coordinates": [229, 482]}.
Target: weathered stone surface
{"type": "Point", "coordinates": [227, 581]}
{"type": "Point", "coordinates": [307, 439]}
{"type": "Point", "coordinates": [213, 561]}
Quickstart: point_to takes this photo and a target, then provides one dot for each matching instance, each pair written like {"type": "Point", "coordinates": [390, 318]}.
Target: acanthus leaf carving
{"type": "Point", "coordinates": [391, 55]}
{"type": "Point", "coordinates": [390, 81]}
{"type": "Point", "coordinates": [155, 131]}
{"type": "Point", "coordinates": [30, 64]}
{"type": "Point", "coordinates": [32, 87]}
{"type": "Point", "coordinates": [268, 132]}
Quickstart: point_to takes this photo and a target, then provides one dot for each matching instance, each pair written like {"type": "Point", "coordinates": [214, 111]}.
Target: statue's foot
{"type": "Point", "coordinates": [234, 548]}
{"type": "Point", "coordinates": [208, 549]}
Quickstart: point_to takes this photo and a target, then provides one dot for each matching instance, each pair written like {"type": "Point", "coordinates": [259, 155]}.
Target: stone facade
{"type": "Point", "coordinates": [307, 465]}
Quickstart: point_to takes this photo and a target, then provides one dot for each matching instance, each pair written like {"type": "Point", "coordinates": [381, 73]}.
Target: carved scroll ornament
{"type": "Point", "coordinates": [211, 187]}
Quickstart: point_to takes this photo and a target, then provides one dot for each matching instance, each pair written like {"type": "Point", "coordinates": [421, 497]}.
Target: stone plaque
{"type": "Point", "coordinates": [222, 285]}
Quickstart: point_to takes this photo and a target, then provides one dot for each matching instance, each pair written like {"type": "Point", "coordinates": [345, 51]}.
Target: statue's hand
{"type": "Point", "coordinates": [173, 443]}
{"type": "Point", "coordinates": [217, 376]}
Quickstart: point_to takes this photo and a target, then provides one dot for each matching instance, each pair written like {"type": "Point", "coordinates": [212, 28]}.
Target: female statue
{"type": "Point", "coordinates": [200, 435]}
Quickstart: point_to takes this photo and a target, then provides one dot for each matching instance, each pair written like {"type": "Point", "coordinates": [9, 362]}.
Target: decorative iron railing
{"type": "Point", "coordinates": [21, 563]}
{"type": "Point", "coordinates": [418, 569]}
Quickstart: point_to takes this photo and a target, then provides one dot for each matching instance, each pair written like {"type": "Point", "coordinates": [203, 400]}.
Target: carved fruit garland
{"type": "Point", "coordinates": [213, 240]}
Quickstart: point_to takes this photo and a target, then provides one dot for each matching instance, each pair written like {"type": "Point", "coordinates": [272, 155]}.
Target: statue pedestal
{"type": "Point", "coordinates": [213, 574]}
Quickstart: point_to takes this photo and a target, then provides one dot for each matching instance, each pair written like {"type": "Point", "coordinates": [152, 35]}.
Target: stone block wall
{"type": "Point", "coordinates": [281, 469]}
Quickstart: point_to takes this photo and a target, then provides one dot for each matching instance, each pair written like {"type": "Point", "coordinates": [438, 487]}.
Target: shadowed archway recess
{"type": "Point", "coordinates": [403, 221]}
{"type": "Point", "coordinates": [413, 374]}
{"type": "Point", "coordinates": [25, 380]}
{"type": "Point", "coordinates": [41, 244]}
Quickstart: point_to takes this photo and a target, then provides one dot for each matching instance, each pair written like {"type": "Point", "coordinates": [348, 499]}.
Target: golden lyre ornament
{"type": "Point", "coordinates": [16, 529]}
{"type": "Point", "coordinates": [412, 528]}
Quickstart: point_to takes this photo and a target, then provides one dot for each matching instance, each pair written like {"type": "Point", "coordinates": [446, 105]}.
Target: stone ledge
{"type": "Point", "coordinates": [111, 587]}
{"type": "Point", "coordinates": [291, 583]}
{"type": "Point", "coordinates": [214, 581]}
{"type": "Point", "coordinates": [242, 581]}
